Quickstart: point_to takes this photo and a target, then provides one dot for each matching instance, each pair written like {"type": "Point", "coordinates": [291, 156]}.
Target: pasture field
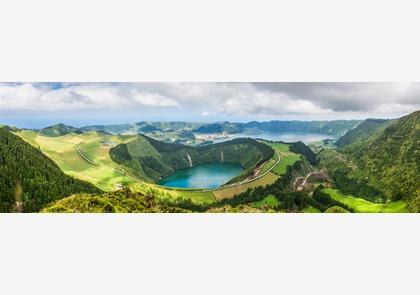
{"type": "Point", "coordinates": [198, 197]}
{"type": "Point", "coordinates": [270, 201]}
{"type": "Point", "coordinates": [229, 192]}
{"type": "Point", "coordinates": [95, 146]}
{"type": "Point", "coordinates": [62, 151]}
{"type": "Point", "coordinates": [268, 164]}
{"type": "Point", "coordinates": [287, 157]}
{"type": "Point", "coordinates": [360, 205]}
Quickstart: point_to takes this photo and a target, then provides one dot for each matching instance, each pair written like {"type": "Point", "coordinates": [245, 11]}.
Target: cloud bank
{"type": "Point", "coordinates": [269, 100]}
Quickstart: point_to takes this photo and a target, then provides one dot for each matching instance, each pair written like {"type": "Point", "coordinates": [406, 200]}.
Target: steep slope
{"type": "Point", "coordinates": [154, 159]}
{"type": "Point", "coordinates": [59, 130]}
{"type": "Point", "coordinates": [380, 161]}
{"type": "Point", "coordinates": [393, 158]}
{"type": "Point", "coordinates": [30, 180]}
{"type": "Point", "coordinates": [301, 148]}
{"type": "Point", "coordinates": [362, 131]}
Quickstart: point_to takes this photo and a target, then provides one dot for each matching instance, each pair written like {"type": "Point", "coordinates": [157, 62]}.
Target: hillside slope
{"type": "Point", "coordinates": [381, 160]}
{"type": "Point", "coordinates": [362, 132]}
{"type": "Point", "coordinates": [154, 159]}
{"type": "Point", "coordinates": [59, 130]}
{"type": "Point", "coordinates": [393, 158]}
{"type": "Point", "coordinates": [30, 180]}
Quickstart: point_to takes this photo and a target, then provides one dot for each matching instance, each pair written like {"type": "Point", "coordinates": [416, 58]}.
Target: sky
{"type": "Point", "coordinates": [37, 105]}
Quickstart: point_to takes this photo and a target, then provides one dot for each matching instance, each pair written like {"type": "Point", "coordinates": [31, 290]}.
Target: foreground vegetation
{"type": "Point", "coordinates": [29, 180]}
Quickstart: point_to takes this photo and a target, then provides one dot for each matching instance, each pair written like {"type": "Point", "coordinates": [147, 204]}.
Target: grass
{"type": "Point", "coordinates": [269, 201]}
{"type": "Point", "coordinates": [61, 150]}
{"type": "Point", "coordinates": [360, 205]}
{"type": "Point", "coordinates": [96, 146]}
{"type": "Point", "coordinates": [267, 165]}
{"type": "Point", "coordinates": [311, 209]}
{"type": "Point", "coordinates": [163, 193]}
{"type": "Point", "coordinates": [287, 157]}
{"type": "Point", "coordinates": [229, 192]}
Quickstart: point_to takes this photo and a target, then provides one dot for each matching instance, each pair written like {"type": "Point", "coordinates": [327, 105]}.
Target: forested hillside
{"type": "Point", "coordinates": [153, 159]}
{"type": "Point", "coordinates": [393, 160]}
{"type": "Point", "coordinates": [362, 132]}
{"type": "Point", "coordinates": [29, 180]}
{"type": "Point", "coordinates": [379, 161]}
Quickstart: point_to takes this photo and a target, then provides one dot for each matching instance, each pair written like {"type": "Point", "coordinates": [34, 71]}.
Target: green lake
{"type": "Point", "coordinates": [203, 176]}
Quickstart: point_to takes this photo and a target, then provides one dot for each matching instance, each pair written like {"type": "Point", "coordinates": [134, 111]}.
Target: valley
{"type": "Point", "coordinates": [231, 173]}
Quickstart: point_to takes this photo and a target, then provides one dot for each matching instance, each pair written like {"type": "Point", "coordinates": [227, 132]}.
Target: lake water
{"type": "Point", "coordinates": [202, 176]}
{"type": "Point", "coordinates": [286, 137]}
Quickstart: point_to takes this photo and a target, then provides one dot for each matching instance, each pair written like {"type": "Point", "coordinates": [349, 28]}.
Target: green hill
{"type": "Point", "coordinates": [362, 132]}
{"type": "Point", "coordinates": [220, 127]}
{"type": "Point", "coordinates": [152, 159]}
{"type": "Point", "coordinates": [30, 180]}
{"type": "Point", "coordinates": [59, 130]}
{"type": "Point", "coordinates": [121, 201]}
{"type": "Point", "coordinates": [392, 160]}
{"type": "Point", "coordinates": [301, 148]}
{"type": "Point", "coordinates": [380, 161]}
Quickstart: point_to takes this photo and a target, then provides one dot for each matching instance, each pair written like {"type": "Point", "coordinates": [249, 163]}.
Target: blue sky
{"type": "Point", "coordinates": [38, 105]}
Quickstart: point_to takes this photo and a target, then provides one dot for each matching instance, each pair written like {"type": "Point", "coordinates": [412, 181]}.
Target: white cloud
{"type": "Point", "coordinates": [211, 99]}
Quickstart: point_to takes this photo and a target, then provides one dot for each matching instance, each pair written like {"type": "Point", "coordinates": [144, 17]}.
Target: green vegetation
{"type": "Point", "coordinates": [122, 201]}
{"type": "Point", "coordinates": [362, 131]}
{"type": "Point", "coordinates": [336, 209]}
{"type": "Point", "coordinates": [29, 180]}
{"type": "Point", "coordinates": [301, 148]}
{"type": "Point", "coordinates": [229, 192]}
{"type": "Point", "coordinates": [311, 209]}
{"type": "Point", "coordinates": [374, 169]}
{"type": "Point", "coordinates": [59, 130]}
{"type": "Point", "coordinates": [363, 206]}
{"type": "Point", "coordinates": [164, 193]}
{"type": "Point", "coordinates": [221, 127]}
{"type": "Point", "coordinates": [269, 201]}
{"type": "Point", "coordinates": [288, 158]}
{"type": "Point", "coordinates": [63, 152]}
{"type": "Point", "coordinates": [380, 161]}
{"type": "Point", "coordinates": [337, 127]}
{"type": "Point", "coordinates": [152, 159]}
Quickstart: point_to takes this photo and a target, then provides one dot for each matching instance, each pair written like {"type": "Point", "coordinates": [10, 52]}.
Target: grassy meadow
{"type": "Point", "coordinates": [360, 205]}
{"type": "Point", "coordinates": [287, 157]}
{"type": "Point", "coordinates": [96, 145]}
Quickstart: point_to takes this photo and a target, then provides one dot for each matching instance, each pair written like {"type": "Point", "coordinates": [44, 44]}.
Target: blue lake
{"type": "Point", "coordinates": [203, 176]}
{"type": "Point", "coordinates": [285, 136]}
